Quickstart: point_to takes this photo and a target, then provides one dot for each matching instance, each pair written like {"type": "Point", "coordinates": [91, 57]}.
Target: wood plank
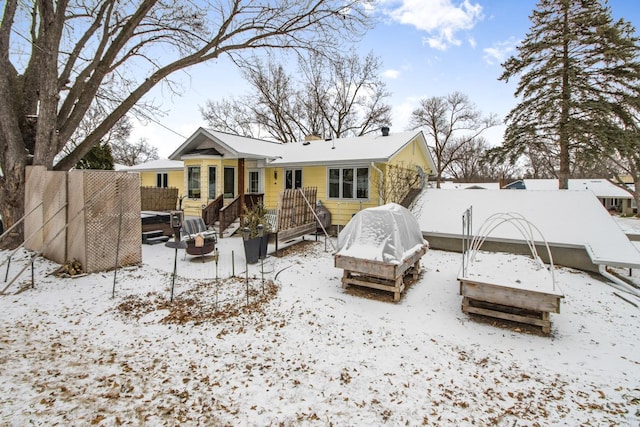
{"type": "Point", "coordinates": [374, 285]}
{"type": "Point", "coordinates": [298, 231]}
{"type": "Point", "coordinates": [366, 267]}
{"type": "Point", "coordinates": [527, 299]}
{"type": "Point", "coordinates": [380, 269]}
{"type": "Point", "coordinates": [545, 324]}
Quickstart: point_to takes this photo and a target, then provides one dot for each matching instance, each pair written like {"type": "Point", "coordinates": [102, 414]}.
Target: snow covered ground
{"type": "Point", "coordinates": [310, 353]}
{"type": "Point", "coordinates": [630, 225]}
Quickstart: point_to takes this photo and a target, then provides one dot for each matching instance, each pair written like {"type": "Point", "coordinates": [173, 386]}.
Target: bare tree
{"type": "Point", "coordinates": [133, 153]}
{"type": "Point", "coordinates": [330, 97]}
{"type": "Point", "coordinates": [472, 164]}
{"type": "Point", "coordinates": [396, 182]}
{"type": "Point", "coordinates": [79, 51]}
{"type": "Point", "coordinates": [452, 122]}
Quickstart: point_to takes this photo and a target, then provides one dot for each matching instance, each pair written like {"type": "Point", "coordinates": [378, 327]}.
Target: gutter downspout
{"type": "Point", "coordinates": [617, 283]}
{"type": "Point", "coordinates": [380, 182]}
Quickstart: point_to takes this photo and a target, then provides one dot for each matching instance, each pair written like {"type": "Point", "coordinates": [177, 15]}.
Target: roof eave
{"type": "Point", "coordinates": [280, 164]}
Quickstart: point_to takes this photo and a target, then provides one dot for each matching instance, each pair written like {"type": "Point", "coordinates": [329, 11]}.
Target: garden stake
{"type": "Point", "coordinates": [175, 266]}
{"type": "Point", "coordinates": [246, 280]}
{"type": "Point", "coordinates": [176, 223]}
{"type": "Point", "coordinates": [262, 272]}
{"type": "Point", "coordinates": [6, 275]}
{"type": "Point", "coordinates": [33, 276]}
{"type": "Point", "coordinates": [216, 256]}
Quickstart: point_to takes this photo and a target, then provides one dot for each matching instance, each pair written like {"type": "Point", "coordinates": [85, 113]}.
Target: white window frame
{"type": "Point", "coordinates": [293, 180]}
{"type": "Point", "coordinates": [341, 170]}
{"type": "Point", "coordinates": [162, 180]}
{"type": "Point", "coordinates": [190, 190]}
{"type": "Point", "coordinates": [258, 188]}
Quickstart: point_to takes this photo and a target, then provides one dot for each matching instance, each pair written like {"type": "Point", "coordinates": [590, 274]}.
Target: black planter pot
{"type": "Point", "coordinates": [263, 246]}
{"type": "Point", "coordinates": [252, 250]}
{"type": "Point", "coordinates": [256, 248]}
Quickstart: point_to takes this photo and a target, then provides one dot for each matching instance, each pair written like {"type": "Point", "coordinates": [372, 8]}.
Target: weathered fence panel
{"type": "Point", "coordinates": [46, 191]}
{"type": "Point", "coordinates": [158, 199]}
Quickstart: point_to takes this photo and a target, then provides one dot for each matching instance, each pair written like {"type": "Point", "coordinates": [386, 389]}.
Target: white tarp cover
{"type": "Point", "coordinates": [388, 233]}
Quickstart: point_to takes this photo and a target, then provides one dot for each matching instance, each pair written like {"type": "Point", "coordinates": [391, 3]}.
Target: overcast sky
{"type": "Point", "coordinates": [427, 47]}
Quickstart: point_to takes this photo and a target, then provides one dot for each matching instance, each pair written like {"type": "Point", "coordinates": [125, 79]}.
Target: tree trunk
{"type": "Point", "coordinates": [12, 203]}
{"type": "Point", "coordinates": [563, 174]}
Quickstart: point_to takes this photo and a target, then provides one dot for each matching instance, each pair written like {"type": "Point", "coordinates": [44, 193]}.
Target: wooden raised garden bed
{"type": "Point", "coordinates": [528, 297]}
{"type": "Point", "coordinates": [380, 275]}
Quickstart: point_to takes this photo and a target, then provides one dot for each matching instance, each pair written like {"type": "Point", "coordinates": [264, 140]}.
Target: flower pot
{"type": "Point", "coordinates": [252, 250]}
{"type": "Point", "coordinates": [264, 244]}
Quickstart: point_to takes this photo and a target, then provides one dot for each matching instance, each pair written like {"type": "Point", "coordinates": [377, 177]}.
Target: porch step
{"type": "Point", "coordinates": [156, 240]}
{"type": "Point", "coordinates": [154, 237]}
{"type": "Point", "coordinates": [231, 229]}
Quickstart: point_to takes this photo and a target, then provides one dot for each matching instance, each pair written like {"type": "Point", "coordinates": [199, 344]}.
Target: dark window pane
{"type": "Point", "coordinates": [193, 182]}
{"type": "Point", "coordinates": [298, 183]}
{"type": "Point", "coordinates": [212, 182]}
{"type": "Point", "coordinates": [363, 183]}
{"type": "Point", "coordinates": [334, 182]}
{"type": "Point", "coordinates": [347, 183]}
{"type": "Point", "coordinates": [229, 183]}
{"type": "Point", "coordinates": [288, 179]}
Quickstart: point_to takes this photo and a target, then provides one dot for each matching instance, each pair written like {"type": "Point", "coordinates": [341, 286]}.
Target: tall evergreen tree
{"type": "Point", "coordinates": [575, 65]}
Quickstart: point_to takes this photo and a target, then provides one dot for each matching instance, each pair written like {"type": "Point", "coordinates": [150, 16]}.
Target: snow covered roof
{"type": "Point", "coordinates": [564, 217]}
{"type": "Point", "coordinates": [368, 148]}
{"type": "Point", "coordinates": [600, 187]}
{"type": "Point", "coordinates": [227, 144]}
{"type": "Point", "coordinates": [469, 185]}
{"type": "Point", "coordinates": [388, 233]}
{"type": "Point", "coordinates": [364, 149]}
{"type": "Point", "coordinates": [155, 165]}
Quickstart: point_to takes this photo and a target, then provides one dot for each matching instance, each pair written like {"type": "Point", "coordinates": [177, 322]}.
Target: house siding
{"type": "Point", "coordinates": [175, 179]}
{"type": "Point", "coordinates": [273, 185]}
{"type": "Point", "coordinates": [412, 154]}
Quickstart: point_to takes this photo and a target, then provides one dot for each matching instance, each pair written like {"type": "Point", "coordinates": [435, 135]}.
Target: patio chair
{"type": "Point", "coordinates": [199, 240]}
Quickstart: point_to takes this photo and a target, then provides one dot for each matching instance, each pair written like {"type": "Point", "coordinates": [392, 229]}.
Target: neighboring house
{"type": "Point", "coordinates": [221, 168]}
{"type": "Point", "coordinates": [160, 173]}
{"type": "Point", "coordinates": [449, 185]}
{"type": "Point", "coordinates": [612, 197]}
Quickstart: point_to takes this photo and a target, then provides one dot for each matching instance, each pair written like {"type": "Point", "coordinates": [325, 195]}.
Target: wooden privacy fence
{"type": "Point", "coordinates": [158, 199]}
{"type": "Point", "coordinates": [95, 221]}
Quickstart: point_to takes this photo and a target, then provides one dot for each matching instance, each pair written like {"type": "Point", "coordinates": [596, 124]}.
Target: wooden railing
{"type": "Point", "coordinates": [211, 213]}
{"type": "Point", "coordinates": [231, 212]}
{"type": "Point", "coordinates": [228, 214]}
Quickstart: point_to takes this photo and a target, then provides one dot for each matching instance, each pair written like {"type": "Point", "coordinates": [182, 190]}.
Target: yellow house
{"type": "Point", "coordinates": [160, 173]}
{"type": "Point", "coordinates": [350, 174]}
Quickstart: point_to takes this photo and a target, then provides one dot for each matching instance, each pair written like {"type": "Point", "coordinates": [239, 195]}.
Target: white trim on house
{"type": "Point", "coordinates": [160, 165]}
